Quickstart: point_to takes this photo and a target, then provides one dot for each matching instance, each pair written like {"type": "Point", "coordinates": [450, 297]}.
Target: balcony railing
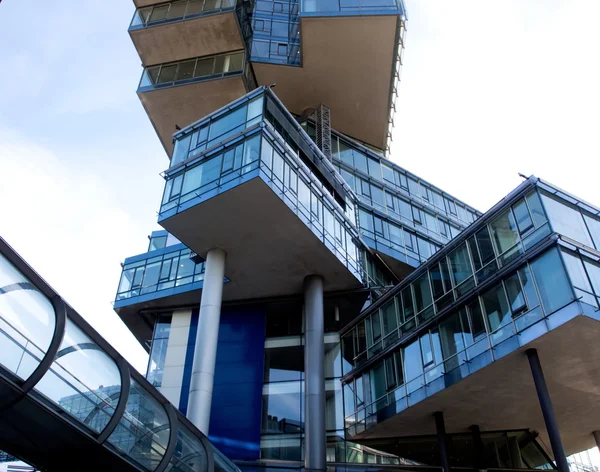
{"type": "Point", "coordinates": [178, 11]}
{"type": "Point", "coordinates": [192, 70]}
{"type": "Point", "coordinates": [238, 144]}
{"type": "Point", "coordinates": [353, 7]}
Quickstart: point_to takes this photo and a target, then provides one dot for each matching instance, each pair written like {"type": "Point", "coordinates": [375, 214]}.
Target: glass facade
{"type": "Point", "coordinates": [276, 32]}
{"type": "Point", "coordinates": [282, 430]}
{"type": "Point", "coordinates": [253, 138]}
{"type": "Point", "coordinates": [399, 214]}
{"type": "Point", "coordinates": [158, 351]}
{"type": "Point", "coordinates": [158, 271]}
{"type": "Point", "coordinates": [355, 7]}
{"type": "Point", "coordinates": [192, 70]}
{"type": "Point", "coordinates": [507, 280]}
{"type": "Point", "coordinates": [177, 11]}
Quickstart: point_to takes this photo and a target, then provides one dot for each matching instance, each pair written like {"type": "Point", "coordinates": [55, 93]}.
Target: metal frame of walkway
{"type": "Point", "coordinates": [69, 399]}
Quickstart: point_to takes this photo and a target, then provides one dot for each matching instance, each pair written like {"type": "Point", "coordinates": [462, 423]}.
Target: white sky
{"type": "Point", "coordinates": [489, 89]}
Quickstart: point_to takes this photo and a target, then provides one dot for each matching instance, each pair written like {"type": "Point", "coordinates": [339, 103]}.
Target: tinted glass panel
{"type": "Point", "coordinates": [552, 282]}
{"type": "Point", "coordinates": [566, 220]}
{"type": "Point", "coordinates": [504, 231]}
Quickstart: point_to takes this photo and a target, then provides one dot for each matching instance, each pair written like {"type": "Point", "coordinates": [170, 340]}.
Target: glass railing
{"type": "Point", "coordinates": [178, 11]}
{"type": "Point", "coordinates": [158, 271]}
{"type": "Point", "coordinates": [354, 7]}
{"type": "Point", "coordinates": [192, 70]}
{"type": "Point", "coordinates": [86, 379]}
{"type": "Point", "coordinates": [257, 155]}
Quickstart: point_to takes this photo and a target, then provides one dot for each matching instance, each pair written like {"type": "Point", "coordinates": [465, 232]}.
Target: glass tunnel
{"type": "Point", "coordinates": [52, 354]}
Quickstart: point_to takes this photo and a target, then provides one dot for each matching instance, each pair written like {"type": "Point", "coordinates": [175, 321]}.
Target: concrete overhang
{"type": "Point", "coordinates": [269, 249]}
{"type": "Point", "coordinates": [502, 395]}
{"type": "Point", "coordinates": [184, 104]}
{"type": "Point", "coordinates": [201, 36]}
{"type": "Point", "coordinates": [347, 64]}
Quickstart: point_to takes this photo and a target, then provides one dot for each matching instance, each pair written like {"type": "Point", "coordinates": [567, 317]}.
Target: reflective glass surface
{"type": "Point", "coordinates": [27, 322]}
{"type": "Point", "coordinates": [190, 454]}
{"type": "Point", "coordinates": [191, 70]}
{"type": "Point", "coordinates": [83, 380]}
{"type": "Point", "coordinates": [143, 433]}
{"type": "Point", "coordinates": [177, 11]}
{"type": "Point", "coordinates": [468, 335]}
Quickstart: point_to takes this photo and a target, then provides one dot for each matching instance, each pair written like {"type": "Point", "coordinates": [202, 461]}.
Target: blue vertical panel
{"type": "Point", "coordinates": [235, 418]}
{"type": "Point", "coordinates": [189, 360]}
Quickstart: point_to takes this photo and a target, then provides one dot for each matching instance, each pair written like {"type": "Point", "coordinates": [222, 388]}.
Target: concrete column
{"type": "Point", "coordinates": [314, 375]}
{"type": "Point", "coordinates": [440, 427]}
{"type": "Point", "coordinates": [597, 439]}
{"type": "Point", "coordinates": [547, 410]}
{"type": "Point", "coordinates": [205, 351]}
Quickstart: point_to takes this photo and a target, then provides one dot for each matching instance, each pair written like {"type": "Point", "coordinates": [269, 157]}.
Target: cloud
{"type": "Point", "coordinates": [68, 225]}
{"type": "Point", "coordinates": [489, 90]}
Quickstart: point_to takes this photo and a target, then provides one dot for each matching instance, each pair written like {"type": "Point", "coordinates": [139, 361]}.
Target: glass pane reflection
{"type": "Point", "coordinates": [83, 380]}
{"type": "Point", "coordinates": [189, 454]}
{"type": "Point", "coordinates": [143, 432]}
{"type": "Point", "coordinates": [27, 322]}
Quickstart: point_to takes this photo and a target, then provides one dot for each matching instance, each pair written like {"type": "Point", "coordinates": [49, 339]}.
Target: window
{"type": "Point", "coordinates": [496, 307]}
{"type": "Point", "coordinates": [522, 217]}
{"type": "Point", "coordinates": [516, 300]}
{"type": "Point", "coordinates": [407, 304]}
{"type": "Point", "coordinates": [579, 278]}
{"type": "Point", "coordinates": [552, 282]}
{"type": "Point", "coordinates": [374, 168]}
{"type": "Point", "coordinates": [157, 242]}
{"type": "Point", "coordinates": [422, 292]}
{"type": "Point", "coordinates": [566, 220]}
{"type": "Point", "coordinates": [594, 228]}
{"type": "Point", "coordinates": [390, 322]}
{"type": "Point", "coordinates": [476, 317]}
{"type": "Point", "coordinates": [504, 231]}
{"type": "Point", "coordinates": [460, 265]}
{"type": "Point", "coordinates": [390, 373]}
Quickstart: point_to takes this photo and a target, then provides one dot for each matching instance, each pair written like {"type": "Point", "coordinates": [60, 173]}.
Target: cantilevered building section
{"type": "Point", "coordinates": [310, 300]}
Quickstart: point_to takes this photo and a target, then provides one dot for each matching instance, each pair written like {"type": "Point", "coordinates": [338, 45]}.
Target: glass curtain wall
{"type": "Point", "coordinates": [464, 340]}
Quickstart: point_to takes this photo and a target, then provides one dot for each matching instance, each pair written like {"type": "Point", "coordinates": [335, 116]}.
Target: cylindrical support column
{"type": "Point", "coordinates": [205, 351]}
{"type": "Point", "coordinates": [314, 375]}
{"type": "Point", "coordinates": [547, 411]}
{"type": "Point", "coordinates": [597, 439]}
{"type": "Point", "coordinates": [478, 449]}
{"type": "Point", "coordinates": [440, 427]}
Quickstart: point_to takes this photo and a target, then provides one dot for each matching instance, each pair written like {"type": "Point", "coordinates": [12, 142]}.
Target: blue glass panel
{"type": "Point", "coordinates": [552, 282]}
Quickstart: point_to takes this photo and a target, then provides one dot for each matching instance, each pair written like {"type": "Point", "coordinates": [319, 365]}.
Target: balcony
{"type": "Point", "coordinates": [266, 202]}
{"type": "Point", "coordinates": [170, 276]}
{"type": "Point", "coordinates": [451, 337]}
{"type": "Point", "coordinates": [349, 59]}
{"type": "Point", "coordinates": [181, 29]}
{"type": "Point", "coordinates": [176, 94]}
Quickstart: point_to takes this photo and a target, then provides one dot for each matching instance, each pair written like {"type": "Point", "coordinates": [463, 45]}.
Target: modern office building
{"type": "Point", "coordinates": [310, 300]}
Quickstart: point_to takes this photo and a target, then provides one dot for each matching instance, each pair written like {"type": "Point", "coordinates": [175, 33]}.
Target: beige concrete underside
{"type": "Point", "coordinates": [347, 65]}
{"type": "Point", "coordinates": [269, 249]}
{"type": "Point", "coordinates": [185, 104]}
{"type": "Point", "coordinates": [203, 36]}
{"type": "Point", "coordinates": [502, 395]}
